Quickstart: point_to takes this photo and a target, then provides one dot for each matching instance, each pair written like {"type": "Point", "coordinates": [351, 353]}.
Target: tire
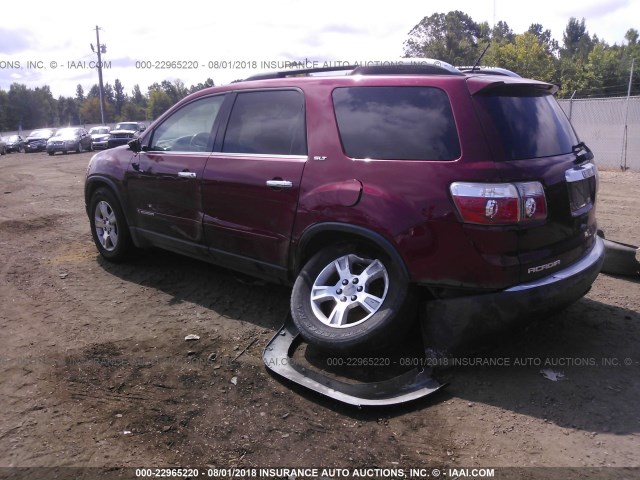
{"type": "Point", "coordinates": [109, 227]}
{"type": "Point", "coordinates": [79, 147]}
{"type": "Point", "coordinates": [363, 301]}
{"type": "Point", "coordinates": [51, 153]}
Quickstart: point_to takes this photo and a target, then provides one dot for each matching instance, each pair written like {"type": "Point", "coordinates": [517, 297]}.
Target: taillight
{"type": "Point", "coordinates": [534, 203]}
{"type": "Point", "coordinates": [499, 203]}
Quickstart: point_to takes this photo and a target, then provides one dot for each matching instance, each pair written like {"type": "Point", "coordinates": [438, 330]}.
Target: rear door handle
{"type": "Point", "coordinates": [187, 174]}
{"type": "Point", "coordinates": [279, 183]}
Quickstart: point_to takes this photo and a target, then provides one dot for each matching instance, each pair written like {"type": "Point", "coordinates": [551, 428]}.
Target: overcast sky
{"type": "Point", "coordinates": [56, 36]}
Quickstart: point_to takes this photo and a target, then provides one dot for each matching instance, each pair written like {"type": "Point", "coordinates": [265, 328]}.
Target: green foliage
{"type": "Point", "coordinates": [526, 55]}
{"type": "Point", "coordinates": [159, 102]}
{"type": "Point", "coordinates": [208, 83]}
{"type": "Point", "coordinates": [90, 111]}
{"type": "Point", "coordinates": [27, 109]}
{"type": "Point", "coordinates": [119, 97]}
{"type": "Point", "coordinates": [79, 93]}
{"type": "Point", "coordinates": [502, 33]}
{"type": "Point", "coordinates": [4, 106]}
{"type": "Point", "coordinates": [582, 63]}
{"type": "Point", "coordinates": [577, 43]}
{"type": "Point", "coordinates": [452, 37]}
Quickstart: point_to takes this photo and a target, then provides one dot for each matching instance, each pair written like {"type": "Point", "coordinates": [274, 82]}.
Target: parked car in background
{"type": "Point", "coordinates": [99, 137]}
{"type": "Point", "coordinates": [3, 146]}
{"type": "Point", "coordinates": [37, 140]}
{"type": "Point", "coordinates": [123, 132]}
{"type": "Point", "coordinates": [15, 143]}
{"type": "Point", "coordinates": [73, 139]}
{"type": "Point", "coordinates": [357, 189]}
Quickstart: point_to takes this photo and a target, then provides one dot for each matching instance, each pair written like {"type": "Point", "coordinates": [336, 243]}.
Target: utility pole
{"type": "Point", "coordinates": [623, 160]}
{"type": "Point", "coordinates": [101, 49]}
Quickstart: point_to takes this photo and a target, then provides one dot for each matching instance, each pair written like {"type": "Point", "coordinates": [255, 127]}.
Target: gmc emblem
{"type": "Point", "coordinates": [546, 266]}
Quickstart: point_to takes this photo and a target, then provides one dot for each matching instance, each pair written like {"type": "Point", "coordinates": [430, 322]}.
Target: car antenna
{"type": "Point", "coordinates": [480, 57]}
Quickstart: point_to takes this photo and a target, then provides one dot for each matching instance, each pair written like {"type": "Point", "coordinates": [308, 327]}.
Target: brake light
{"type": "Point", "coordinates": [499, 203]}
{"type": "Point", "coordinates": [534, 203]}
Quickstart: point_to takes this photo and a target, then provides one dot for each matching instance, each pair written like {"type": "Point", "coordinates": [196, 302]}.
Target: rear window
{"type": "Point", "coordinates": [267, 122]}
{"type": "Point", "coordinates": [396, 123]}
{"type": "Point", "coordinates": [527, 123]}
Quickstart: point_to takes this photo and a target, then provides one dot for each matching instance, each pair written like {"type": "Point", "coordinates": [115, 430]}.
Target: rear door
{"type": "Point", "coordinates": [533, 140]}
{"type": "Point", "coordinates": [250, 186]}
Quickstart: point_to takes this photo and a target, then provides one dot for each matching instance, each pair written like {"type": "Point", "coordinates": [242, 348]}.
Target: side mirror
{"type": "Point", "coordinates": [135, 145]}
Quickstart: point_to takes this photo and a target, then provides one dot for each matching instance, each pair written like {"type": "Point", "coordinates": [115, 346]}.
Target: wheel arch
{"type": "Point", "coordinates": [315, 237]}
{"type": "Point", "coordinates": [93, 183]}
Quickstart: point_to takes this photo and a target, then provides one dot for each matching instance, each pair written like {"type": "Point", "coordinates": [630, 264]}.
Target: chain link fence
{"type": "Point", "coordinates": [610, 127]}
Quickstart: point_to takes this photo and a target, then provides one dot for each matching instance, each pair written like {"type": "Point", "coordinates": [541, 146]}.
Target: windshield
{"type": "Point", "coordinates": [527, 123]}
{"type": "Point", "coordinates": [97, 130]}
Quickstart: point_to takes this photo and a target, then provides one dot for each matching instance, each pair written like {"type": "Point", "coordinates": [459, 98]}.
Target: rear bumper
{"type": "Point", "coordinates": [453, 325]}
{"type": "Point", "coordinates": [65, 147]}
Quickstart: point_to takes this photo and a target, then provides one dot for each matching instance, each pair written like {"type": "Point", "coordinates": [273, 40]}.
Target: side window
{"type": "Point", "coordinates": [188, 129]}
{"type": "Point", "coordinates": [396, 123]}
{"type": "Point", "coordinates": [267, 122]}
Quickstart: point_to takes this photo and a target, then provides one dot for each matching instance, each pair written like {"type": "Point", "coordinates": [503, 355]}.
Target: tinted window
{"type": "Point", "coordinates": [528, 123]}
{"type": "Point", "coordinates": [268, 122]}
{"type": "Point", "coordinates": [403, 123]}
{"type": "Point", "coordinates": [188, 129]}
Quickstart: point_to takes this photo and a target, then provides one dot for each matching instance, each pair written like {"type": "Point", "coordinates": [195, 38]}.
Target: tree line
{"type": "Point", "coordinates": [25, 108]}
{"type": "Point", "coordinates": [582, 64]}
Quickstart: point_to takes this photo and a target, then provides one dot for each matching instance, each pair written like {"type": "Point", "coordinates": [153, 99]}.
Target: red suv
{"type": "Point", "coordinates": [361, 187]}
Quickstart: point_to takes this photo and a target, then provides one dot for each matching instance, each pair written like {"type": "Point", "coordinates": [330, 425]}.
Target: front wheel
{"type": "Point", "coordinates": [109, 227]}
{"type": "Point", "coordinates": [349, 299]}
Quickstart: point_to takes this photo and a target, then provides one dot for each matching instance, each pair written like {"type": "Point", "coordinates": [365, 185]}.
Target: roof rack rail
{"type": "Point", "coordinates": [297, 72]}
{"type": "Point", "coordinates": [406, 69]}
{"type": "Point", "coordinates": [488, 71]}
{"type": "Point", "coordinates": [405, 66]}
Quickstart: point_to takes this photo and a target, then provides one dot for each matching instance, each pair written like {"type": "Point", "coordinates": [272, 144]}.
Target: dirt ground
{"type": "Point", "coordinates": [95, 370]}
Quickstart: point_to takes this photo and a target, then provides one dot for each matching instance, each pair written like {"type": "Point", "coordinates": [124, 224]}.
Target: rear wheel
{"type": "Point", "coordinates": [348, 299]}
{"type": "Point", "coordinates": [109, 227]}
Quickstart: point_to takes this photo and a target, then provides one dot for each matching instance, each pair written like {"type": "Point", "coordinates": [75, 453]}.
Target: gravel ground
{"type": "Point", "coordinates": [95, 371]}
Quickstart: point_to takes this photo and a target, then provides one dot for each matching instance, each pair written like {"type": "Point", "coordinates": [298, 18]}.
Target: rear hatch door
{"type": "Point", "coordinates": [532, 139]}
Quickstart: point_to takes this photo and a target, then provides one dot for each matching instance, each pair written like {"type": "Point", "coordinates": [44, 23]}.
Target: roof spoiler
{"type": "Point", "coordinates": [479, 84]}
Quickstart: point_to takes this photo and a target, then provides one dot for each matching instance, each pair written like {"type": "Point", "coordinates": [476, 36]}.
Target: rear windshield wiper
{"type": "Point", "coordinates": [582, 152]}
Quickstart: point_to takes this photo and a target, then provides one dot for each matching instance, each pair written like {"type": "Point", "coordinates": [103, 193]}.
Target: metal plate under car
{"type": "Point", "coordinates": [406, 387]}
